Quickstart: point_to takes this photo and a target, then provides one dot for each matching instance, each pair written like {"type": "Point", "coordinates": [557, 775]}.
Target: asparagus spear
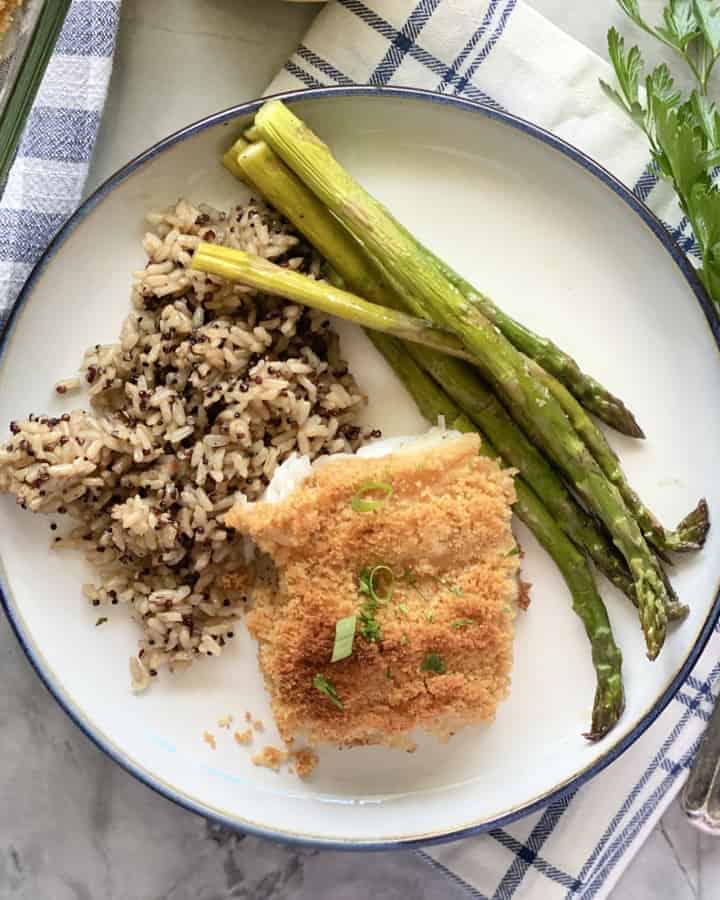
{"type": "Point", "coordinates": [280, 183]}
{"type": "Point", "coordinates": [433, 402]}
{"type": "Point", "coordinates": [530, 402]}
{"type": "Point", "coordinates": [256, 272]}
{"type": "Point", "coordinates": [260, 167]}
{"type": "Point", "coordinates": [593, 396]}
{"type": "Point", "coordinates": [690, 533]}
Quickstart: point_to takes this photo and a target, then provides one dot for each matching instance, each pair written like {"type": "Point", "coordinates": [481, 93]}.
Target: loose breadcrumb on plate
{"type": "Point", "coordinates": [270, 758]}
{"type": "Point", "coordinates": [210, 740]}
{"type": "Point", "coordinates": [243, 737]}
{"type": "Point", "coordinates": [305, 762]}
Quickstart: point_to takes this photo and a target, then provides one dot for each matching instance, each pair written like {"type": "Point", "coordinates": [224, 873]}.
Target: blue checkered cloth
{"type": "Point", "coordinates": [46, 181]}
{"type": "Point", "coordinates": [504, 54]}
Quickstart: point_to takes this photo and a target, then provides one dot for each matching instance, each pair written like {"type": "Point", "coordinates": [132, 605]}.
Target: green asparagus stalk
{"type": "Point", "coordinates": [283, 190]}
{"type": "Point", "coordinates": [692, 531]}
{"type": "Point", "coordinates": [530, 402]}
{"type": "Point", "coordinates": [261, 168]}
{"type": "Point", "coordinates": [279, 182]}
{"type": "Point", "coordinates": [259, 273]}
{"type": "Point", "coordinates": [591, 394]}
{"type": "Point", "coordinates": [433, 402]}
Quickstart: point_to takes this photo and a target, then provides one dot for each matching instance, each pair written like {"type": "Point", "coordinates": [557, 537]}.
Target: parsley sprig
{"type": "Point", "coordinates": [683, 132]}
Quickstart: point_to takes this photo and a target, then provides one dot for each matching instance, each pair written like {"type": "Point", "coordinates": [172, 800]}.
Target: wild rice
{"type": "Point", "coordinates": [209, 388]}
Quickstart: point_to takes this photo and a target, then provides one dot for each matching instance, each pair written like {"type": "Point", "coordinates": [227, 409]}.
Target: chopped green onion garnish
{"type": "Point", "coordinates": [101, 621]}
{"type": "Point", "coordinates": [369, 626]}
{"type": "Point", "coordinates": [433, 662]}
{"type": "Point", "coordinates": [344, 637]}
{"type": "Point", "coordinates": [402, 608]}
{"type": "Point", "coordinates": [429, 616]}
{"type": "Point", "coordinates": [367, 583]}
{"type": "Point", "coordinates": [322, 684]}
{"type": "Point", "coordinates": [514, 552]}
{"type": "Point", "coordinates": [360, 504]}
{"type": "Point", "coordinates": [461, 623]}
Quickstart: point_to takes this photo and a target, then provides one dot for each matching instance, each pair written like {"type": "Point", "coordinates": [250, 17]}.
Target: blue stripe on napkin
{"type": "Point", "coordinates": [67, 135]}
{"type": "Point", "coordinates": [477, 35]}
{"type": "Point", "coordinates": [89, 29]}
{"type": "Point", "coordinates": [23, 233]}
{"type": "Point", "coordinates": [403, 41]}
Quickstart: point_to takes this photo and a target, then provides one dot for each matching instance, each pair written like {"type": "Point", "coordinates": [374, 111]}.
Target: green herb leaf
{"type": "Point", "coordinates": [101, 621]}
{"type": "Point", "coordinates": [462, 623]}
{"type": "Point", "coordinates": [344, 637]}
{"type": "Point", "coordinates": [704, 211]}
{"type": "Point", "coordinates": [680, 24]}
{"type": "Point", "coordinates": [631, 9]}
{"type": "Point", "coordinates": [707, 117]}
{"type": "Point", "coordinates": [628, 66]}
{"type": "Point", "coordinates": [361, 504]}
{"type": "Point", "coordinates": [628, 69]}
{"type": "Point", "coordinates": [429, 615]}
{"type": "Point", "coordinates": [325, 686]}
{"type": "Point", "coordinates": [401, 608]}
{"type": "Point", "coordinates": [433, 662]}
{"type": "Point", "coordinates": [678, 137]}
{"type": "Point", "coordinates": [707, 15]}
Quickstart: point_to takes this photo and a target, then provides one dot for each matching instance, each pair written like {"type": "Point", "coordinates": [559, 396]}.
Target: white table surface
{"type": "Point", "coordinates": [73, 826]}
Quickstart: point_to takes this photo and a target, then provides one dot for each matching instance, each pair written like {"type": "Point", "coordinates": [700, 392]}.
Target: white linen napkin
{"type": "Point", "coordinates": [504, 53]}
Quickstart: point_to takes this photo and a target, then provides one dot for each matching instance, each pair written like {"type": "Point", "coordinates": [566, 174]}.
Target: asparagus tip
{"type": "Point", "coordinates": [677, 612]}
{"type": "Point", "coordinates": [631, 427]}
{"type": "Point", "coordinates": [674, 609]}
{"type": "Point", "coordinates": [607, 709]}
{"type": "Point", "coordinates": [692, 532]}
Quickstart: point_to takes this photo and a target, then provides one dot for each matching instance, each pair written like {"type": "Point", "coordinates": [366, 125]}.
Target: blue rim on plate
{"type": "Point", "coordinates": [570, 152]}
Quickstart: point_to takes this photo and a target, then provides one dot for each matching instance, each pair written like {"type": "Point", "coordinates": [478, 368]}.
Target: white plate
{"type": "Point", "coordinates": [556, 242]}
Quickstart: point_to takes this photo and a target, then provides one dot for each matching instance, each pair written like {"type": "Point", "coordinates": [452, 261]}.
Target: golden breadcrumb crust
{"type": "Point", "coordinates": [445, 533]}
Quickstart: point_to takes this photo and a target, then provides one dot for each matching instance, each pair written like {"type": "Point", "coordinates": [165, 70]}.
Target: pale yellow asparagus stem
{"type": "Point", "coordinates": [259, 273]}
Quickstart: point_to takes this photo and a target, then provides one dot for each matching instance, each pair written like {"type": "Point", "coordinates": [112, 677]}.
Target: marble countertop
{"type": "Point", "coordinates": [73, 826]}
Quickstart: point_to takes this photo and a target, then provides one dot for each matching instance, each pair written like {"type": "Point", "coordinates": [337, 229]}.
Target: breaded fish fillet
{"type": "Point", "coordinates": [437, 653]}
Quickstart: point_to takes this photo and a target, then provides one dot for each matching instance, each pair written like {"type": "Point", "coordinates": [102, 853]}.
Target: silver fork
{"type": "Point", "coordinates": [701, 797]}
